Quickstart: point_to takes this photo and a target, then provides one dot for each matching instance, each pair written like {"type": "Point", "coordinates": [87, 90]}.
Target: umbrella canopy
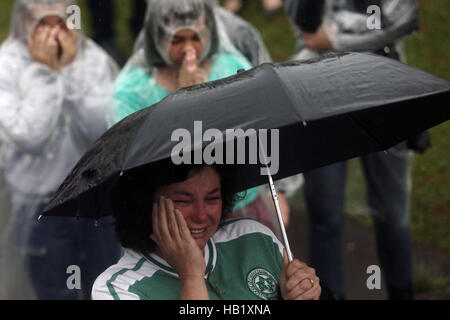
{"type": "Point", "coordinates": [326, 110]}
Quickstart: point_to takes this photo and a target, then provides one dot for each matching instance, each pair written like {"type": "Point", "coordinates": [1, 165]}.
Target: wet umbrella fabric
{"type": "Point", "coordinates": [327, 110]}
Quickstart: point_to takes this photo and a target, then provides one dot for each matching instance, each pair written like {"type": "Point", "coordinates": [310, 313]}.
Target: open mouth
{"type": "Point", "coordinates": [197, 232]}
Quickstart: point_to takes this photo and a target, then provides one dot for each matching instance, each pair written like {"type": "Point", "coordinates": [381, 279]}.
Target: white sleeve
{"type": "Point", "coordinates": [30, 104]}
{"type": "Point", "coordinates": [109, 287]}
{"type": "Point", "coordinates": [101, 293]}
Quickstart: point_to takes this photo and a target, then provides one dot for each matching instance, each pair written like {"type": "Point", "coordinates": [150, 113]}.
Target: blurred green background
{"type": "Point", "coordinates": [429, 49]}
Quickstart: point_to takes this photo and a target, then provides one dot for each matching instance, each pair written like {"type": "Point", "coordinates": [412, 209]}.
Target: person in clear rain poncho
{"type": "Point", "coordinates": [349, 26]}
{"type": "Point", "coordinates": [181, 47]}
{"type": "Point", "coordinates": [55, 88]}
{"type": "Point", "coordinates": [185, 43]}
{"type": "Point", "coordinates": [345, 25]}
{"type": "Point", "coordinates": [233, 31]}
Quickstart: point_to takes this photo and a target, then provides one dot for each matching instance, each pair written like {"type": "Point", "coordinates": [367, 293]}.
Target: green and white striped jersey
{"type": "Point", "coordinates": [244, 260]}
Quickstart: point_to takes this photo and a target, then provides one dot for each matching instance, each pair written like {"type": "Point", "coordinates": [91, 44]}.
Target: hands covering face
{"type": "Point", "coordinates": [53, 46]}
{"type": "Point", "coordinates": [190, 73]}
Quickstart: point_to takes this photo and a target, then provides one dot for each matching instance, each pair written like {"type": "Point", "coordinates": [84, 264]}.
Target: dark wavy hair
{"type": "Point", "coordinates": [132, 198]}
{"type": "Point", "coordinates": [182, 10]}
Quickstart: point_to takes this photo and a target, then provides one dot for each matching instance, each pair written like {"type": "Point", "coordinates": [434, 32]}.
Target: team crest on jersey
{"type": "Point", "coordinates": [262, 283]}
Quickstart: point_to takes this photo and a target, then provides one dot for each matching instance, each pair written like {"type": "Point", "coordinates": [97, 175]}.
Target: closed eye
{"type": "Point", "coordinates": [177, 40]}
{"type": "Point", "coordinates": [195, 38]}
{"type": "Point", "coordinates": [181, 201]}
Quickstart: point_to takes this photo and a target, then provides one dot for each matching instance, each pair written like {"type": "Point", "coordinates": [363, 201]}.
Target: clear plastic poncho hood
{"type": "Point", "coordinates": [27, 14]}
{"type": "Point", "coordinates": [165, 18]}
{"type": "Point", "coordinates": [233, 35]}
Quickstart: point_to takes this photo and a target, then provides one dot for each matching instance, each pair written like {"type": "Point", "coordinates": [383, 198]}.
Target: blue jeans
{"type": "Point", "coordinates": [387, 178]}
{"type": "Point", "coordinates": [49, 246]}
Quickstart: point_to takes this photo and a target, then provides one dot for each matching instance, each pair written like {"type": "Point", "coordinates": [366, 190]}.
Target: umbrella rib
{"type": "Point", "coordinates": [294, 101]}
{"type": "Point", "coordinates": [367, 132]}
{"type": "Point", "coordinates": [142, 117]}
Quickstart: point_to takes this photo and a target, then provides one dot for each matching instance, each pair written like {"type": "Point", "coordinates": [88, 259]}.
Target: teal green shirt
{"type": "Point", "coordinates": [243, 262]}
{"type": "Point", "coordinates": [138, 89]}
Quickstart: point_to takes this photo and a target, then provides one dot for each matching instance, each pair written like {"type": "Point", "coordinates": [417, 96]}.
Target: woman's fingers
{"type": "Point", "coordinates": [184, 230]}
{"type": "Point", "coordinates": [175, 243]}
{"type": "Point", "coordinates": [300, 292]}
{"type": "Point", "coordinates": [42, 34]}
{"type": "Point", "coordinates": [166, 222]}
{"type": "Point", "coordinates": [49, 41]}
{"type": "Point", "coordinates": [44, 47]}
{"type": "Point", "coordinates": [155, 229]}
{"type": "Point", "coordinates": [298, 281]}
{"type": "Point", "coordinates": [295, 293]}
{"type": "Point", "coordinates": [301, 278]}
{"type": "Point", "coordinates": [191, 58]}
{"type": "Point", "coordinates": [301, 295]}
{"type": "Point", "coordinates": [172, 223]}
{"type": "Point", "coordinates": [293, 267]}
{"type": "Point", "coordinates": [64, 38]}
{"type": "Point", "coordinates": [313, 294]}
{"type": "Point", "coordinates": [301, 282]}
{"type": "Point", "coordinates": [162, 218]}
{"type": "Point", "coordinates": [52, 41]}
{"type": "Point", "coordinates": [38, 39]}
{"type": "Point", "coordinates": [69, 44]}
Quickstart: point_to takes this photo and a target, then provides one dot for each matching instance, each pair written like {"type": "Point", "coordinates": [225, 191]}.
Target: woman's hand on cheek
{"type": "Point", "coordinates": [175, 243]}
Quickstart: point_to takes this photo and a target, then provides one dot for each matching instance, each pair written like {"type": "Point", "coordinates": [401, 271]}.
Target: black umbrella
{"type": "Point", "coordinates": [327, 110]}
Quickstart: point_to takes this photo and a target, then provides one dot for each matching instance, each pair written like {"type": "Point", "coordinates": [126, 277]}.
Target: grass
{"type": "Point", "coordinates": [430, 202]}
{"type": "Point", "coordinates": [431, 284]}
{"type": "Point", "coordinates": [276, 32]}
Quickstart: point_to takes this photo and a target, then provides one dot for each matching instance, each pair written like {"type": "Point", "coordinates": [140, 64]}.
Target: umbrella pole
{"type": "Point", "coordinates": [273, 191]}
{"type": "Point", "coordinates": [280, 218]}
